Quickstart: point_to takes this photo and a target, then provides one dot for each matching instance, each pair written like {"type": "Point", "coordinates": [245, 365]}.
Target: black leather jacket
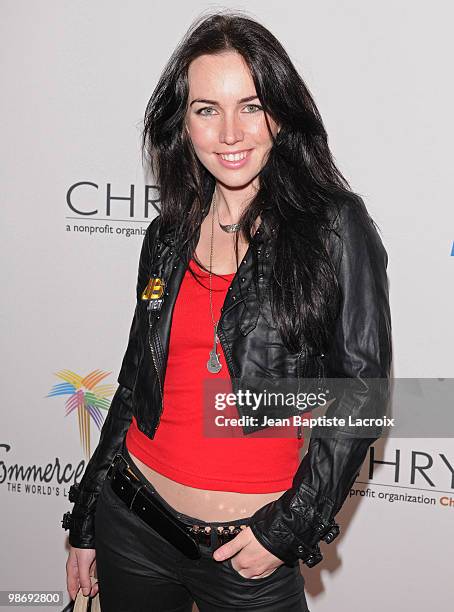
{"type": "Point", "coordinates": [291, 526]}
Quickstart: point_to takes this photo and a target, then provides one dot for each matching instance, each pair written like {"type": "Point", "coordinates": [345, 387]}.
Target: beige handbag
{"type": "Point", "coordinates": [81, 602]}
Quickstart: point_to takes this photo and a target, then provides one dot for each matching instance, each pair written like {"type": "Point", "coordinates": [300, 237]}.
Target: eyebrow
{"type": "Point", "coordinates": [204, 101]}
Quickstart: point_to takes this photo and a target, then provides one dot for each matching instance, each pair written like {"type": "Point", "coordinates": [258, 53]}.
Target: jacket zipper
{"type": "Point", "coordinates": [229, 360]}
{"type": "Point", "coordinates": [160, 388]}
{"type": "Point", "coordinates": [153, 357]}
{"type": "Point", "coordinates": [319, 375]}
{"type": "Point", "coordinates": [299, 434]}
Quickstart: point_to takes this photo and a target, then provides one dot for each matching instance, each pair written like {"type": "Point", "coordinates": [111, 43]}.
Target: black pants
{"type": "Point", "coordinates": [139, 571]}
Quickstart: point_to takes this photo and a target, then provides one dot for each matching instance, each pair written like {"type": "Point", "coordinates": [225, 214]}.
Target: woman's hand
{"type": "Point", "coordinates": [80, 566]}
{"type": "Point", "coordinates": [252, 560]}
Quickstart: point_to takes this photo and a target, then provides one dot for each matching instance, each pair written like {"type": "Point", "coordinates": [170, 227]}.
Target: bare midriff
{"type": "Point", "coordinates": [204, 504]}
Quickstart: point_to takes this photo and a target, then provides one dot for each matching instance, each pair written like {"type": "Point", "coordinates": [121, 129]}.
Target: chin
{"type": "Point", "coordinates": [234, 184]}
{"type": "Point", "coordinates": [234, 178]}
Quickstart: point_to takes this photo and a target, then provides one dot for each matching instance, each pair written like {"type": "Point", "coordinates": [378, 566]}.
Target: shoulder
{"type": "Point", "coordinates": [152, 232]}
{"type": "Point", "coordinates": [153, 226]}
{"type": "Point", "coordinates": [353, 232]}
{"type": "Point", "coordinates": [350, 212]}
{"type": "Point", "coordinates": [149, 239]}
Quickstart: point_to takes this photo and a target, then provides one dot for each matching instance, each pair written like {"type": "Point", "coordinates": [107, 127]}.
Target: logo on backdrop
{"type": "Point", "coordinates": [50, 479]}
{"type": "Point", "coordinates": [411, 476]}
{"type": "Point", "coordinates": [93, 207]}
{"type": "Point", "coordinates": [87, 397]}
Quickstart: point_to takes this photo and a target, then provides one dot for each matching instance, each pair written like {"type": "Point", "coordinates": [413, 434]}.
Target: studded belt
{"type": "Point", "coordinates": [222, 533]}
{"type": "Point", "coordinates": [143, 502]}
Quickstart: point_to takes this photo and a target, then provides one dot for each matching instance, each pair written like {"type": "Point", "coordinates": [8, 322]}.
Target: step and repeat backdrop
{"type": "Point", "coordinates": [76, 203]}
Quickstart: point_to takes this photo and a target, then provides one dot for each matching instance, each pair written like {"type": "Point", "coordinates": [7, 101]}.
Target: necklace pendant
{"type": "Point", "coordinates": [213, 363]}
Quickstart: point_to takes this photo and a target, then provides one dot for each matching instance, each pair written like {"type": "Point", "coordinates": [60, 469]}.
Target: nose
{"type": "Point", "coordinates": [231, 130]}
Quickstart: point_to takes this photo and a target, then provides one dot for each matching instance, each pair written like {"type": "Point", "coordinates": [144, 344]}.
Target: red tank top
{"type": "Point", "coordinates": [179, 450]}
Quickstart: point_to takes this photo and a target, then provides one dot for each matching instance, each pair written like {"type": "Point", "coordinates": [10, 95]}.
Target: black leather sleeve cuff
{"type": "Point", "coordinates": [80, 522]}
{"type": "Point", "coordinates": [81, 530]}
{"type": "Point", "coordinates": [270, 526]}
{"type": "Point", "coordinates": [293, 549]}
{"type": "Point", "coordinates": [66, 521]}
{"type": "Point", "coordinates": [74, 491]}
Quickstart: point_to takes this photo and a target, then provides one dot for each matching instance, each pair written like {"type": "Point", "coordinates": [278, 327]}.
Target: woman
{"type": "Point", "coordinates": [262, 263]}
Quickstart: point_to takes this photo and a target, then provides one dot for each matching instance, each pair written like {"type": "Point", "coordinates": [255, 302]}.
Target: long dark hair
{"type": "Point", "coordinates": [299, 184]}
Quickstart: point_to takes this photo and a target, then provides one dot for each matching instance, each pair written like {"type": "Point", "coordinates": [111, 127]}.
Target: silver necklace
{"type": "Point", "coordinates": [213, 363]}
{"type": "Point", "coordinates": [230, 228]}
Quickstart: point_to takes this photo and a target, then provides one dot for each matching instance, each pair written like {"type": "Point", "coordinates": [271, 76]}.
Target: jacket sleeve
{"type": "Point", "coordinates": [81, 521]}
{"type": "Point", "coordinates": [292, 526]}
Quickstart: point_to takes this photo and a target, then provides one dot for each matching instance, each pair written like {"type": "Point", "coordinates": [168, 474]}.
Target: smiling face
{"type": "Point", "coordinates": [225, 120]}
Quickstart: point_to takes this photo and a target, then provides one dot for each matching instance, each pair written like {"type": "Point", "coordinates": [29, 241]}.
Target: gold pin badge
{"type": "Point", "coordinates": [154, 289]}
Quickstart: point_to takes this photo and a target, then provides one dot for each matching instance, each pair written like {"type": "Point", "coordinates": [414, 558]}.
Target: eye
{"type": "Point", "coordinates": [255, 107]}
{"type": "Point", "coordinates": [205, 108]}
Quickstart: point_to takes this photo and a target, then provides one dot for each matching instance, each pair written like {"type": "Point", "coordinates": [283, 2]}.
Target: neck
{"type": "Point", "coordinates": [231, 202]}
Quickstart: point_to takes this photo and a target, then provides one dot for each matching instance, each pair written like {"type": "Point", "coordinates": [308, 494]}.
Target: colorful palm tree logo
{"type": "Point", "coordinates": [88, 397]}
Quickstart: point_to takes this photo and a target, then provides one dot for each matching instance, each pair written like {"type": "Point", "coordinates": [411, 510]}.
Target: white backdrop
{"type": "Point", "coordinates": [76, 77]}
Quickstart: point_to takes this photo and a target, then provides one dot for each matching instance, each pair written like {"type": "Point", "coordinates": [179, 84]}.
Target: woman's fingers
{"type": "Point", "coordinates": [93, 572]}
{"type": "Point", "coordinates": [78, 565]}
{"type": "Point", "coordinates": [72, 575]}
{"type": "Point", "coordinates": [84, 561]}
{"type": "Point", "coordinates": [94, 589]}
